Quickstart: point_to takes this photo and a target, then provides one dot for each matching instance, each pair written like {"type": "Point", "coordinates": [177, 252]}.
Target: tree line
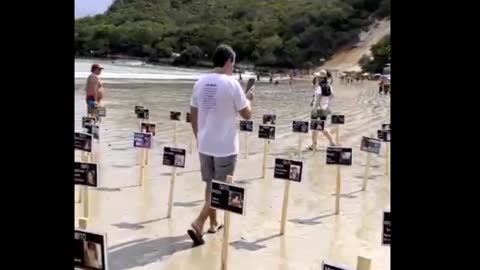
{"type": "Point", "coordinates": [272, 33]}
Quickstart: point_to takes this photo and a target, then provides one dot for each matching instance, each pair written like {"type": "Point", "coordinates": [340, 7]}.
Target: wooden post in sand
{"type": "Point", "coordinates": [226, 233]}
{"type": "Point", "coordinates": [246, 145]}
{"type": "Point", "coordinates": [367, 172]}
{"type": "Point", "coordinates": [265, 157]}
{"type": "Point", "coordinates": [143, 165]}
{"type": "Point", "coordinates": [363, 263]}
{"type": "Point", "coordinates": [175, 134]}
{"type": "Point", "coordinates": [285, 206]}
{"type": "Point", "coordinates": [337, 136]}
{"type": "Point", "coordinates": [300, 143]}
{"type": "Point", "coordinates": [83, 221]}
{"type": "Point", "coordinates": [387, 158]}
{"type": "Point", "coordinates": [170, 194]}
{"type": "Point", "coordinates": [337, 191]}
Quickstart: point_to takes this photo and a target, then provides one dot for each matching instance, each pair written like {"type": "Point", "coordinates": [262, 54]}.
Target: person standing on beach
{"type": "Point", "coordinates": [216, 101]}
{"type": "Point", "coordinates": [321, 106]}
{"type": "Point", "coordinates": [94, 88]}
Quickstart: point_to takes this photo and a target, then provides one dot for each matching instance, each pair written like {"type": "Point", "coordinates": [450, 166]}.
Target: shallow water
{"type": "Point", "coordinates": [141, 237]}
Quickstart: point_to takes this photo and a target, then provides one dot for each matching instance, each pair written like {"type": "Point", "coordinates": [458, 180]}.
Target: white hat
{"type": "Point", "coordinates": [316, 74]}
{"type": "Point", "coordinates": [322, 74]}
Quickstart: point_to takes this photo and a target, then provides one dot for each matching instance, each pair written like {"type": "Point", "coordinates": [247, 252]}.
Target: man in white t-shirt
{"type": "Point", "coordinates": [216, 101]}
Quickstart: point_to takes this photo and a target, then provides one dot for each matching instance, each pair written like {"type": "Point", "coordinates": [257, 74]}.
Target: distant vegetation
{"type": "Point", "coordinates": [281, 33]}
{"type": "Point", "coordinates": [379, 58]}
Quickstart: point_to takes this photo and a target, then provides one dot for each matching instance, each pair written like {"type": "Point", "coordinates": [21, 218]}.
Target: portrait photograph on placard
{"type": "Point", "coordinates": [227, 197]}
{"type": "Point", "coordinates": [386, 126]}
{"type": "Point", "coordinates": [174, 157]}
{"type": "Point", "coordinates": [300, 126]}
{"type": "Point", "coordinates": [148, 128]}
{"type": "Point", "coordinates": [384, 135]}
{"type": "Point", "coordinates": [338, 119]}
{"type": "Point", "coordinates": [93, 130]}
{"type": "Point", "coordinates": [269, 119]}
{"type": "Point", "coordinates": [85, 174]}
{"type": "Point", "coordinates": [143, 114]}
{"type": "Point", "coordinates": [188, 118]}
{"type": "Point", "coordinates": [266, 132]}
{"type": "Point", "coordinates": [89, 250]}
{"type": "Point", "coordinates": [371, 145]}
{"type": "Point", "coordinates": [138, 109]}
{"type": "Point", "coordinates": [339, 156]}
{"type": "Point", "coordinates": [288, 169]}
{"type": "Point", "coordinates": [318, 125]}
{"type": "Point", "coordinates": [175, 116]}
{"type": "Point", "coordinates": [246, 126]}
{"type": "Point", "coordinates": [386, 231]}
{"type": "Point", "coordinates": [142, 140]}
{"type": "Point", "coordinates": [87, 121]}
{"type": "Point", "coordinates": [83, 142]}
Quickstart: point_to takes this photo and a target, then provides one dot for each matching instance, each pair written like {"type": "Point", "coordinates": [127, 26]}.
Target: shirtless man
{"type": "Point", "coordinates": [94, 89]}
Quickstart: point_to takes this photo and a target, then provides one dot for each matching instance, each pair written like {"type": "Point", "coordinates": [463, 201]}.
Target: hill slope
{"type": "Point", "coordinates": [347, 59]}
{"type": "Point", "coordinates": [266, 32]}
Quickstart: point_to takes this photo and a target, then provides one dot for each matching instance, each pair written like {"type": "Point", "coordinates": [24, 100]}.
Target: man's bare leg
{"type": "Point", "coordinates": [327, 134]}
{"type": "Point", "coordinates": [204, 214]}
{"type": "Point", "coordinates": [314, 139]}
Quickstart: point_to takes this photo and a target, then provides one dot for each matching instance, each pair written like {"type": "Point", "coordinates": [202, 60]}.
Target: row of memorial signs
{"type": "Point", "coordinates": [143, 113]}
{"type": "Point", "coordinates": [90, 250]}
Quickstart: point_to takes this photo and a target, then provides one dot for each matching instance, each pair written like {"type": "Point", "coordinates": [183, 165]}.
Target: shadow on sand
{"type": "Point", "coordinates": [146, 251]}
{"type": "Point", "coordinates": [310, 221]}
{"type": "Point", "coordinates": [136, 226]}
{"type": "Point", "coordinates": [252, 246]}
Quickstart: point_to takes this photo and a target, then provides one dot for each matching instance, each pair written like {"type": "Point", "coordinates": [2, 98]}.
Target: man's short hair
{"type": "Point", "coordinates": [222, 54]}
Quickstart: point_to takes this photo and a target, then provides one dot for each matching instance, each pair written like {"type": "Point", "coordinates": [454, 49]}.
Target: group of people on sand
{"type": "Point", "coordinates": [217, 100]}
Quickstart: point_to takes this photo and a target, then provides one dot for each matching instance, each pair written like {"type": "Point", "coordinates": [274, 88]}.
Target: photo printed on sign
{"type": "Point", "coordinates": [300, 126]}
{"type": "Point", "coordinates": [370, 145]}
{"type": "Point", "coordinates": [386, 231]}
{"type": "Point", "coordinates": [317, 125]}
{"type": "Point", "coordinates": [227, 197]}
{"type": "Point", "coordinates": [384, 135]}
{"type": "Point", "coordinates": [138, 109]}
{"type": "Point", "coordinates": [83, 142]}
{"type": "Point", "coordinates": [266, 132]}
{"type": "Point", "coordinates": [142, 140]}
{"type": "Point", "coordinates": [338, 119]}
{"type": "Point", "coordinates": [288, 169]}
{"type": "Point", "coordinates": [88, 121]}
{"type": "Point", "coordinates": [269, 119]}
{"type": "Point", "coordinates": [175, 116]}
{"type": "Point", "coordinates": [143, 114]}
{"type": "Point", "coordinates": [85, 174]}
{"type": "Point", "coordinates": [89, 250]}
{"type": "Point", "coordinates": [339, 156]}
{"type": "Point", "coordinates": [148, 128]}
{"type": "Point", "coordinates": [246, 126]}
{"type": "Point", "coordinates": [174, 157]}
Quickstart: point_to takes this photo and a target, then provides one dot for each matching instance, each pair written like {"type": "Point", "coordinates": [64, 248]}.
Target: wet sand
{"type": "Point", "coordinates": [141, 237]}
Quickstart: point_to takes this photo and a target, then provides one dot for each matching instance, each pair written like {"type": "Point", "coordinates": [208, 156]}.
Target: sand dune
{"type": "Point", "coordinates": [140, 237]}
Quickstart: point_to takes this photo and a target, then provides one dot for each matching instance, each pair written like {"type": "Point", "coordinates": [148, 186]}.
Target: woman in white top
{"type": "Point", "coordinates": [321, 106]}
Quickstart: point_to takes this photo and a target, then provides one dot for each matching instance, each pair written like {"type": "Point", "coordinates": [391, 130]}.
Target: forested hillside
{"type": "Point", "coordinates": [283, 33]}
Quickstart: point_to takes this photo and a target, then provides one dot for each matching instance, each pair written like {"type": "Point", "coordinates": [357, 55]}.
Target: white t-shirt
{"type": "Point", "coordinates": [218, 99]}
{"type": "Point", "coordinates": [321, 102]}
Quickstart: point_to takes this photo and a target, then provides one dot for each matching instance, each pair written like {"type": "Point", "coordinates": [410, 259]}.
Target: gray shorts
{"type": "Point", "coordinates": [216, 168]}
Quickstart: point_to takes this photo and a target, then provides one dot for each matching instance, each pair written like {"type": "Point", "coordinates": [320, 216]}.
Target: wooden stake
{"type": "Point", "coordinates": [226, 233]}
{"type": "Point", "coordinates": [192, 139]}
{"type": "Point", "coordinates": [142, 167]}
{"type": "Point", "coordinates": [300, 142]}
{"type": "Point", "coordinates": [175, 134]}
{"type": "Point", "coordinates": [285, 206]}
{"type": "Point", "coordinates": [363, 263]}
{"type": "Point", "coordinates": [265, 154]}
{"type": "Point", "coordinates": [337, 136]}
{"type": "Point", "coordinates": [82, 223]}
{"type": "Point", "coordinates": [146, 152]}
{"type": "Point", "coordinates": [170, 195]}
{"type": "Point", "coordinates": [387, 158]}
{"type": "Point", "coordinates": [337, 192]}
{"type": "Point", "coordinates": [367, 172]}
{"type": "Point", "coordinates": [246, 145]}
{"type": "Point", "coordinates": [85, 202]}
